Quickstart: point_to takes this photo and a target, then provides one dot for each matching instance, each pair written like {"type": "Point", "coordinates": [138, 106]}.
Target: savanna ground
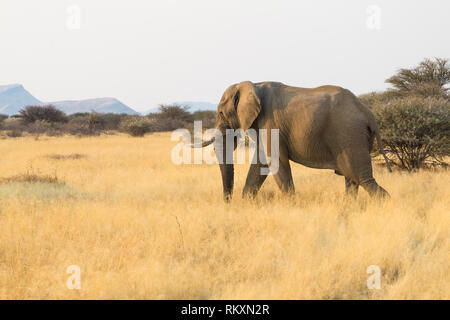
{"type": "Point", "coordinates": [140, 227]}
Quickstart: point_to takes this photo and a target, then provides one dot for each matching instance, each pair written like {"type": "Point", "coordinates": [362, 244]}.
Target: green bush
{"type": "Point", "coordinates": [48, 113]}
{"type": "Point", "coordinates": [372, 98]}
{"type": "Point", "coordinates": [415, 131]}
{"type": "Point", "coordinates": [94, 121]}
{"type": "Point", "coordinates": [137, 126]}
{"type": "Point", "coordinates": [78, 117]}
{"type": "Point", "coordinates": [14, 126]}
{"type": "Point", "coordinates": [170, 117]}
{"type": "Point", "coordinates": [173, 112]}
{"type": "Point", "coordinates": [39, 127]}
{"type": "Point", "coordinates": [98, 121]}
{"type": "Point", "coordinates": [111, 121]}
{"type": "Point", "coordinates": [168, 124]}
{"type": "Point", "coordinates": [14, 133]}
{"type": "Point", "coordinates": [104, 121]}
{"type": "Point", "coordinates": [208, 118]}
{"type": "Point", "coordinates": [3, 117]}
{"type": "Point", "coordinates": [51, 121]}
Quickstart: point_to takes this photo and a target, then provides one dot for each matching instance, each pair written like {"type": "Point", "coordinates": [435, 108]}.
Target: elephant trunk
{"type": "Point", "coordinates": [226, 167]}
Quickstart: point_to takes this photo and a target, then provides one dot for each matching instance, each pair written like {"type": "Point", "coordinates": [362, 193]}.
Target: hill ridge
{"type": "Point", "coordinates": [13, 97]}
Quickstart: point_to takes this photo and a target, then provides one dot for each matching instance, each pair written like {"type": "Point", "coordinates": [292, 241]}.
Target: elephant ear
{"type": "Point", "coordinates": [247, 104]}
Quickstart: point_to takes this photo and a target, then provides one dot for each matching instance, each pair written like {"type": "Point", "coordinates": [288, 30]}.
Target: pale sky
{"type": "Point", "coordinates": [149, 52]}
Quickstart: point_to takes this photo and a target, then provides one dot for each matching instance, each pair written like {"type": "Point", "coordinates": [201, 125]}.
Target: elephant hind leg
{"type": "Point", "coordinates": [356, 165]}
{"type": "Point", "coordinates": [351, 188]}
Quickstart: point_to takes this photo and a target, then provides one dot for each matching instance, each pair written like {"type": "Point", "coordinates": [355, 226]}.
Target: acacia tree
{"type": "Point", "coordinates": [414, 115]}
{"type": "Point", "coordinates": [47, 113]}
{"type": "Point", "coordinates": [174, 112]}
{"type": "Point", "coordinates": [429, 79]}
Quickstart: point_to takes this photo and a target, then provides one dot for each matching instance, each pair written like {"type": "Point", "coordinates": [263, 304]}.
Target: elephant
{"type": "Point", "coordinates": [326, 127]}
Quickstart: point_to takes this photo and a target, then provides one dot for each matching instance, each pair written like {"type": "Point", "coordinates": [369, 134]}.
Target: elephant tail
{"type": "Point", "coordinates": [374, 128]}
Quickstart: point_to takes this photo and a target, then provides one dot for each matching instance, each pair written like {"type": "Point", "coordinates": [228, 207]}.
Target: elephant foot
{"type": "Point", "coordinates": [249, 193]}
{"type": "Point", "coordinates": [227, 198]}
{"type": "Point", "coordinates": [381, 194]}
{"type": "Point", "coordinates": [374, 190]}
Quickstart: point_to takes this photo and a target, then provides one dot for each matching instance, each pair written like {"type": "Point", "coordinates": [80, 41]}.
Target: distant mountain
{"type": "Point", "coordinates": [102, 105]}
{"type": "Point", "coordinates": [14, 97]}
{"type": "Point", "coordinates": [193, 106]}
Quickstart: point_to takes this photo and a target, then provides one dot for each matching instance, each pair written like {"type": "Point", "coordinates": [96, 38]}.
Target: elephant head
{"type": "Point", "coordinates": [238, 109]}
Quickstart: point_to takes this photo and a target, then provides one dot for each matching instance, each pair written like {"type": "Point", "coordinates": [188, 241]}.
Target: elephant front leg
{"type": "Point", "coordinates": [254, 180]}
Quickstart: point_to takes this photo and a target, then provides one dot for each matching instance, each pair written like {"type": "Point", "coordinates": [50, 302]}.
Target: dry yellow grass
{"type": "Point", "coordinates": [141, 227]}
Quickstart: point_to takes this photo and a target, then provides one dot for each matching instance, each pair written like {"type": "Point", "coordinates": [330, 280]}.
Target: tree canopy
{"type": "Point", "coordinates": [429, 79]}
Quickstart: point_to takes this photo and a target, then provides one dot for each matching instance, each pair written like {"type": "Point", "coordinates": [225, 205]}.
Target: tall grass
{"type": "Point", "coordinates": [141, 227]}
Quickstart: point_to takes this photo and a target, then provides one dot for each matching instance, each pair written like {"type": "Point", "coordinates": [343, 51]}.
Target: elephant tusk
{"type": "Point", "coordinates": [203, 144]}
